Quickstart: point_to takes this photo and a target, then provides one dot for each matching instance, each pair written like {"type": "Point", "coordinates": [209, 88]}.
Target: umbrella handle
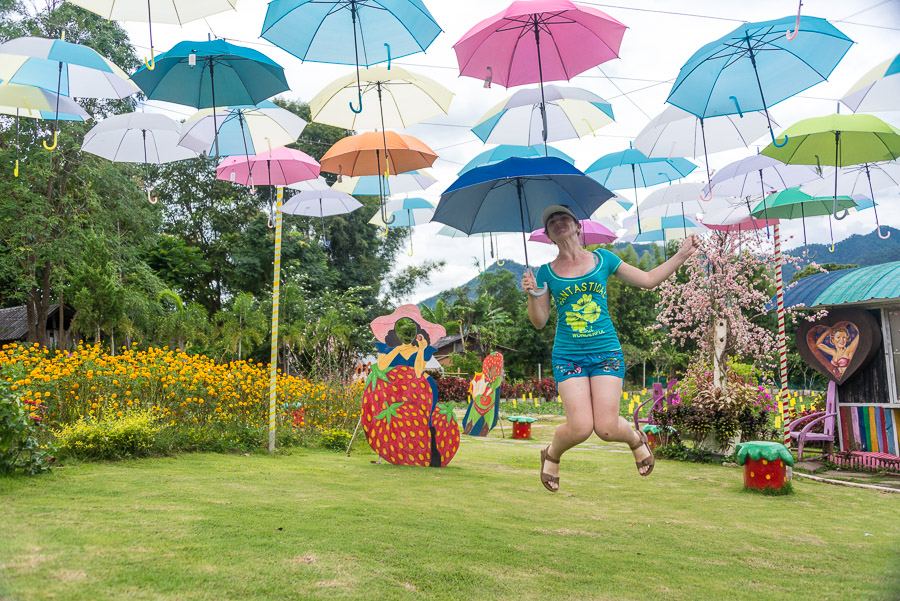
{"type": "Point", "coordinates": [502, 263]}
{"type": "Point", "coordinates": [269, 223]}
{"type": "Point", "coordinates": [885, 237]}
{"type": "Point", "coordinates": [16, 173]}
{"type": "Point", "coordinates": [152, 64]}
{"type": "Point", "coordinates": [710, 193]}
{"type": "Point", "coordinates": [388, 46]}
{"type": "Point", "coordinates": [488, 77]}
{"type": "Point", "coordinates": [841, 216]}
{"type": "Point", "coordinates": [357, 111]}
{"type": "Point", "coordinates": [792, 34]}
{"type": "Point", "coordinates": [153, 200]}
{"type": "Point", "coordinates": [775, 142]}
{"type": "Point", "coordinates": [831, 248]}
{"type": "Point", "coordinates": [55, 138]}
{"type": "Point", "coordinates": [539, 292]}
{"type": "Point", "coordinates": [737, 106]}
{"type": "Point", "coordinates": [384, 232]}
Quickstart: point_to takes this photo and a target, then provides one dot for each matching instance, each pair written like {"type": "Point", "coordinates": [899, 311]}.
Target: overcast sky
{"type": "Point", "coordinates": [662, 35]}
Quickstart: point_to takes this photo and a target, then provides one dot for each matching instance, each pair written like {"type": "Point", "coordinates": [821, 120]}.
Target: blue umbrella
{"type": "Point", "coordinates": [210, 74]}
{"type": "Point", "coordinates": [319, 31]}
{"type": "Point", "coordinates": [510, 196]}
{"type": "Point", "coordinates": [506, 151]}
{"type": "Point", "coordinates": [632, 168]}
{"type": "Point", "coordinates": [757, 65]}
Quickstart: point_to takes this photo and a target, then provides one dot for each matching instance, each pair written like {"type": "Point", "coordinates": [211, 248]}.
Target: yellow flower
{"type": "Point", "coordinates": [575, 321]}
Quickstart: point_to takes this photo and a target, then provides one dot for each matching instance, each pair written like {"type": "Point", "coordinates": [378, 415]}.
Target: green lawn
{"type": "Point", "coordinates": [320, 525]}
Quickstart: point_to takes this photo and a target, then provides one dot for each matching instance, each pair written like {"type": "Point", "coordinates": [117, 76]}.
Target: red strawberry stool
{"type": "Point", "coordinates": [765, 464]}
{"type": "Point", "coordinates": [521, 426]}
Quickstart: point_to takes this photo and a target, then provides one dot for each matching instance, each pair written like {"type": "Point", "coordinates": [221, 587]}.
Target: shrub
{"type": "Point", "coordinates": [20, 449]}
{"type": "Point", "coordinates": [111, 438]}
{"type": "Point", "coordinates": [451, 388]}
{"type": "Point", "coordinates": [335, 439]}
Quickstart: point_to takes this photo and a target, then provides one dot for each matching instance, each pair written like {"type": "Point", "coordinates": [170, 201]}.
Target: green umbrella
{"type": "Point", "coordinates": [838, 140]}
{"type": "Point", "coordinates": [794, 204]}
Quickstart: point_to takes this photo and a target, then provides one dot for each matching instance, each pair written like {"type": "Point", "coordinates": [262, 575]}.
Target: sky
{"type": "Point", "coordinates": [661, 36]}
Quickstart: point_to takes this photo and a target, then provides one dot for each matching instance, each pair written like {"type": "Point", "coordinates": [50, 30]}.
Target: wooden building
{"type": "Point", "coordinates": [14, 324]}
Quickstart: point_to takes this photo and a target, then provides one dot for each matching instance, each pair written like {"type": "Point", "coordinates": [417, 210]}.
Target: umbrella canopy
{"type": "Point", "coordinates": [571, 113]}
{"type": "Point", "coordinates": [403, 98]}
{"type": "Point", "coordinates": [794, 204]}
{"type": "Point", "coordinates": [506, 151]}
{"type": "Point", "coordinates": [404, 217]}
{"type": "Point", "coordinates": [363, 154]}
{"type": "Point", "coordinates": [592, 232]}
{"type": "Point", "coordinates": [877, 90]}
{"type": "Point", "coordinates": [537, 41]}
{"type": "Point", "coordinates": [678, 133]}
{"type": "Point", "coordinates": [278, 167]}
{"type": "Point", "coordinates": [735, 218]}
{"type": "Point", "coordinates": [838, 140]}
{"type": "Point", "coordinates": [856, 179]}
{"type": "Point", "coordinates": [662, 229]}
{"type": "Point", "coordinates": [756, 66]}
{"type": "Point", "coordinates": [685, 197]}
{"type": "Point", "coordinates": [615, 205]}
{"type": "Point", "coordinates": [320, 203]}
{"type": "Point", "coordinates": [759, 174]}
{"type": "Point", "coordinates": [633, 169]}
{"type": "Point", "coordinates": [310, 185]}
{"type": "Point", "coordinates": [361, 185]}
{"type": "Point", "coordinates": [245, 129]}
{"type": "Point", "coordinates": [137, 138]}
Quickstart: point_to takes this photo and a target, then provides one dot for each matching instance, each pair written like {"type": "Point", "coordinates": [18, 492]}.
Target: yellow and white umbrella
{"type": "Point", "coordinates": [877, 90]}
{"type": "Point", "coordinates": [246, 130]}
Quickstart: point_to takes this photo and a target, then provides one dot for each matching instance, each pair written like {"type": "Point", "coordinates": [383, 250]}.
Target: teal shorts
{"type": "Point", "coordinates": [607, 363]}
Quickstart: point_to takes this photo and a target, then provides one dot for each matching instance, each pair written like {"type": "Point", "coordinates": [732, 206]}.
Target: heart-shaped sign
{"type": "Point", "coordinates": [839, 344]}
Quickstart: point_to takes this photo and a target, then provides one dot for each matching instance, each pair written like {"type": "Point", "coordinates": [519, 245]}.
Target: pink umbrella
{"type": "Point", "coordinates": [591, 233]}
{"type": "Point", "coordinates": [506, 48]}
{"type": "Point", "coordinates": [278, 167]}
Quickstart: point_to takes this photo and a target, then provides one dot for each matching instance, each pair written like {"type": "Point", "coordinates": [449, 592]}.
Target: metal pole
{"type": "Point", "coordinates": [537, 41]}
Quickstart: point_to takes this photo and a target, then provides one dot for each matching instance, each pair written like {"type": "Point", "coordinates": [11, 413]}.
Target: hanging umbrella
{"type": "Point", "coordinates": [877, 90]}
{"type": "Point", "coordinates": [137, 138]}
{"type": "Point", "coordinates": [278, 167]}
{"type": "Point", "coordinates": [243, 129]}
{"type": "Point", "coordinates": [506, 151]}
{"type": "Point", "coordinates": [173, 12]}
{"type": "Point", "coordinates": [794, 204]}
{"type": "Point", "coordinates": [612, 207]}
{"type": "Point", "coordinates": [64, 68]}
{"type": "Point", "coordinates": [310, 185]}
{"type": "Point", "coordinates": [35, 103]}
{"type": "Point", "coordinates": [736, 218]}
{"type": "Point", "coordinates": [661, 229]}
{"type": "Point", "coordinates": [838, 140]}
{"type": "Point", "coordinates": [363, 154]}
{"type": "Point", "coordinates": [633, 169]}
{"type": "Point", "coordinates": [318, 31]}
{"type": "Point", "coordinates": [682, 199]}
{"type": "Point", "coordinates": [406, 212]}
{"type": "Point", "coordinates": [759, 174]}
{"type": "Point", "coordinates": [592, 232]}
{"type": "Point", "coordinates": [399, 183]}
{"type": "Point", "coordinates": [570, 113]}
{"type": "Point", "coordinates": [506, 48]}
{"type": "Point", "coordinates": [755, 67]}
{"type": "Point", "coordinates": [510, 196]}
{"type": "Point", "coordinates": [452, 232]}
{"type": "Point", "coordinates": [212, 74]}
{"type": "Point", "coordinates": [678, 133]}
{"type": "Point", "coordinates": [320, 203]}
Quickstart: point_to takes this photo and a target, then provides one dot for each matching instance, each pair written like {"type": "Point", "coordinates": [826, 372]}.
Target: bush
{"type": "Point", "coordinates": [451, 388]}
{"type": "Point", "coordinates": [114, 438]}
{"type": "Point", "coordinates": [20, 449]}
{"type": "Point", "coordinates": [211, 438]}
{"type": "Point", "coordinates": [335, 439]}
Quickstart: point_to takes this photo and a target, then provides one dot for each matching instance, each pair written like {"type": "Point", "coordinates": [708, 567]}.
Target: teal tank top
{"type": "Point", "coordinates": [583, 324]}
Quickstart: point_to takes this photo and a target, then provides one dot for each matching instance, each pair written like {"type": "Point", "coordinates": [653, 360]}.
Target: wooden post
{"type": "Point", "coordinates": [273, 356]}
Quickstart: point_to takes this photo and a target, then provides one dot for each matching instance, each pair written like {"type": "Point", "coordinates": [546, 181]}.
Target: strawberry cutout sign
{"type": "Point", "coordinates": [401, 416]}
{"type": "Point", "coordinates": [483, 412]}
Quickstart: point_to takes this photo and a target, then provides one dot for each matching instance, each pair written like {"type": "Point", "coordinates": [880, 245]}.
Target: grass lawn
{"type": "Point", "coordinates": [320, 525]}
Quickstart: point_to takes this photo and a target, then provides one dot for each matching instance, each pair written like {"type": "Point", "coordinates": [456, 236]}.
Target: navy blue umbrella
{"type": "Point", "coordinates": [510, 196]}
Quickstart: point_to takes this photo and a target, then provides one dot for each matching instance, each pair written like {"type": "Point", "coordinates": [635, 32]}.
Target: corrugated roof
{"type": "Point", "coordinates": [14, 322]}
{"type": "Point", "coordinates": [846, 286]}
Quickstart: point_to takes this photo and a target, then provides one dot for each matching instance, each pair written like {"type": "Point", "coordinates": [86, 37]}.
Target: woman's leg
{"type": "Point", "coordinates": [576, 397]}
{"type": "Point", "coordinates": [606, 392]}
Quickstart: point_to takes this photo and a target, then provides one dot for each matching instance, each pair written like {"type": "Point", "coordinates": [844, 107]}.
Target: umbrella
{"type": "Point", "coordinates": [678, 199]}
{"type": "Point", "coordinates": [678, 133]}
{"type": "Point", "coordinates": [511, 195]}
{"type": "Point", "coordinates": [719, 78]}
{"type": "Point", "coordinates": [320, 203]}
{"type": "Point", "coordinates": [661, 229]}
{"type": "Point", "coordinates": [277, 167]}
{"type": "Point", "coordinates": [404, 98]}
{"type": "Point", "coordinates": [794, 204]}
{"type": "Point", "coordinates": [364, 154]}
{"type": "Point", "coordinates": [736, 218]}
{"type": "Point", "coordinates": [592, 232]}
{"type": "Point", "coordinates": [505, 151]}
{"type": "Point", "coordinates": [615, 205]}
{"type": "Point", "coordinates": [242, 129]}
{"type": "Point", "coordinates": [506, 47]}
{"type": "Point", "coordinates": [35, 103]}
{"type": "Point", "coordinates": [211, 74]}
{"type": "Point", "coordinates": [405, 212]}
{"type": "Point", "coordinates": [174, 12]}
{"type": "Point", "coordinates": [361, 185]}
{"type": "Point", "coordinates": [310, 185]}
{"type": "Point", "coordinates": [452, 232]}
{"type": "Point", "coordinates": [137, 138]}
{"type": "Point", "coordinates": [568, 113]}
{"type": "Point", "coordinates": [317, 31]}
{"type": "Point", "coordinates": [66, 68]}
{"type": "Point", "coordinates": [850, 139]}
{"type": "Point", "coordinates": [632, 168]}
{"type": "Point", "coordinates": [877, 90]}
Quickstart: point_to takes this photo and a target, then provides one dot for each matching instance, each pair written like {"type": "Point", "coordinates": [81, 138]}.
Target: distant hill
{"type": "Point", "coordinates": [858, 249]}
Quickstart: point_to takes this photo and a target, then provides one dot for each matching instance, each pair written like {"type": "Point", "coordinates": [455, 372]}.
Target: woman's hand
{"type": "Point", "coordinates": [689, 246]}
{"type": "Point", "coordinates": [528, 281]}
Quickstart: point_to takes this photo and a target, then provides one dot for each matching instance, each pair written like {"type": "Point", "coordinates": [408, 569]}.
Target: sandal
{"type": "Point", "coordinates": [647, 461]}
{"type": "Point", "coordinates": [547, 479]}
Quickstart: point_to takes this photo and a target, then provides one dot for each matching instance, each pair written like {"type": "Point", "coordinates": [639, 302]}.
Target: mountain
{"type": "Point", "coordinates": [858, 249]}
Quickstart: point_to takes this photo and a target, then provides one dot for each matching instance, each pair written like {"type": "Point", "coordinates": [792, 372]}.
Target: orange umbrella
{"type": "Point", "coordinates": [377, 153]}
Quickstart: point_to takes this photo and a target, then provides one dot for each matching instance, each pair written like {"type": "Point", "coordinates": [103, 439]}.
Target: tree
{"type": "Point", "coordinates": [96, 293]}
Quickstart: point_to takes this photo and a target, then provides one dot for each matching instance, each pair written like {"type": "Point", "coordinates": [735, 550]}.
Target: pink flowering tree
{"type": "Point", "coordinates": [722, 301]}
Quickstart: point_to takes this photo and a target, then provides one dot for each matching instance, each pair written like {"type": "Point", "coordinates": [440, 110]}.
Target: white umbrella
{"type": "Point", "coordinates": [322, 204]}
{"type": "Point", "coordinates": [759, 174]}
{"type": "Point", "coordinates": [877, 90]}
{"type": "Point", "coordinates": [612, 207]}
{"type": "Point", "coordinates": [401, 183]}
{"type": "Point", "coordinates": [661, 229]}
{"type": "Point", "coordinates": [246, 130]}
{"type": "Point", "coordinates": [570, 113]}
{"type": "Point", "coordinates": [137, 138]}
{"type": "Point", "coordinates": [311, 184]}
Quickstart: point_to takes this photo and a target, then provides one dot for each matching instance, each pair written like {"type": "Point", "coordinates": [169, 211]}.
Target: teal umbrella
{"type": "Point", "coordinates": [794, 204]}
